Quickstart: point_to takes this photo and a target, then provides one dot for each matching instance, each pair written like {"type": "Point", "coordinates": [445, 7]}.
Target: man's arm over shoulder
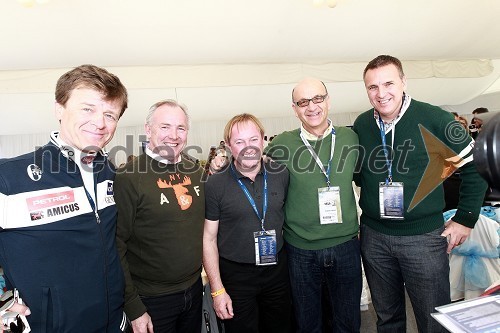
{"type": "Point", "coordinates": [278, 150]}
{"type": "Point", "coordinates": [351, 146]}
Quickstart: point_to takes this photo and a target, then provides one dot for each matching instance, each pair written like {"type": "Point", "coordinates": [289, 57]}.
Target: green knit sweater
{"type": "Point", "coordinates": [410, 159]}
{"type": "Point", "coordinates": [302, 227]}
{"type": "Point", "coordinates": [161, 211]}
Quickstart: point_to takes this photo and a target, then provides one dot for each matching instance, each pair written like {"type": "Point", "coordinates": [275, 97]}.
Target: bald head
{"type": "Point", "coordinates": [311, 103]}
{"type": "Point", "coordinates": [309, 83]}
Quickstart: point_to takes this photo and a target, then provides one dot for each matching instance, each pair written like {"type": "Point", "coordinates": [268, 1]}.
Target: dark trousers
{"type": "Point", "coordinates": [260, 295]}
{"type": "Point", "coordinates": [334, 272]}
{"type": "Point", "coordinates": [418, 263]}
{"type": "Point", "coordinates": [178, 312]}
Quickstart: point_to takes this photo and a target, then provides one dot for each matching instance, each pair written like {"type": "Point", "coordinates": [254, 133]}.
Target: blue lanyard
{"type": "Point", "coordinates": [316, 157]}
{"type": "Point", "coordinates": [251, 200]}
{"type": "Point", "coordinates": [386, 151]}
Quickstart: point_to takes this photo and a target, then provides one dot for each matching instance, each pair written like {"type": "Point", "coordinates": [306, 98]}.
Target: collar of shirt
{"type": "Point", "coordinates": [389, 126]}
{"type": "Point", "coordinates": [311, 137]}
{"type": "Point", "coordinates": [240, 175]}
{"type": "Point", "coordinates": [74, 154]}
{"type": "Point", "coordinates": [159, 158]}
{"type": "Point", "coordinates": [86, 169]}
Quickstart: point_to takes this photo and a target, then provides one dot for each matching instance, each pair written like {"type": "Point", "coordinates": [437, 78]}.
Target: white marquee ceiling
{"type": "Point", "coordinates": [226, 57]}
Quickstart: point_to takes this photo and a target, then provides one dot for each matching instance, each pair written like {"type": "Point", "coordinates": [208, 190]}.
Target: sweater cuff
{"type": "Point", "coordinates": [467, 219]}
{"type": "Point", "coordinates": [134, 309]}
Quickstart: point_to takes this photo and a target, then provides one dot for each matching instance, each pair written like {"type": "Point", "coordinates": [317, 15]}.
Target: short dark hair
{"type": "Point", "coordinates": [384, 60]}
{"type": "Point", "coordinates": [480, 110]}
{"type": "Point", "coordinates": [92, 77]}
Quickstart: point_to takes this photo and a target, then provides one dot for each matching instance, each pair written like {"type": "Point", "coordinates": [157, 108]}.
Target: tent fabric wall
{"type": "Point", "coordinates": [193, 76]}
{"type": "Point", "coordinates": [218, 91]}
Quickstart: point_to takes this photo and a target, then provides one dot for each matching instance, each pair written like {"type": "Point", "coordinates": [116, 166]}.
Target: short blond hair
{"type": "Point", "coordinates": [241, 118]}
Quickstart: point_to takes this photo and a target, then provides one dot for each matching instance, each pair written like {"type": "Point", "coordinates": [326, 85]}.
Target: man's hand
{"type": "Point", "coordinates": [223, 306]}
{"type": "Point", "coordinates": [143, 324]}
{"type": "Point", "coordinates": [457, 234]}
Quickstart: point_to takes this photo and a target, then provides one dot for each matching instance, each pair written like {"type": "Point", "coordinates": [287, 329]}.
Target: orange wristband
{"type": "Point", "coordinates": [218, 292]}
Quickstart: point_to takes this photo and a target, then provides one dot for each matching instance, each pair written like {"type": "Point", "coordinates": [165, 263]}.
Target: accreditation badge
{"type": "Point", "coordinates": [391, 200]}
{"type": "Point", "coordinates": [265, 247]}
{"type": "Point", "coordinates": [329, 205]}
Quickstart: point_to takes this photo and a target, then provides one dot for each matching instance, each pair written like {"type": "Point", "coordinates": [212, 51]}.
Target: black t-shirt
{"type": "Point", "coordinates": [226, 202]}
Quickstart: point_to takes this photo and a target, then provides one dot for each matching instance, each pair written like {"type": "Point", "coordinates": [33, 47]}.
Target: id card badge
{"type": "Point", "coordinates": [265, 247]}
{"type": "Point", "coordinates": [329, 205]}
{"type": "Point", "coordinates": [391, 201]}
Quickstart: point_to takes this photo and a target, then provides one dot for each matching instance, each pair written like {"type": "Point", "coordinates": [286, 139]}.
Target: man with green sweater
{"type": "Point", "coordinates": [161, 210]}
{"type": "Point", "coordinates": [408, 148]}
{"type": "Point", "coordinates": [321, 224]}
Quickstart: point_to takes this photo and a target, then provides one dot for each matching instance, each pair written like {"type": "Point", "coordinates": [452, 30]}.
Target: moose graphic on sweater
{"type": "Point", "coordinates": [181, 192]}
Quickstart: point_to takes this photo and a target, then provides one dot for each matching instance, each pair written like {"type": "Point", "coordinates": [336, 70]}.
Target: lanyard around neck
{"type": "Point", "coordinates": [386, 151]}
{"type": "Point", "coordinates": [317, 159]}
{"type": "Point", "coordinates": [250, 198]}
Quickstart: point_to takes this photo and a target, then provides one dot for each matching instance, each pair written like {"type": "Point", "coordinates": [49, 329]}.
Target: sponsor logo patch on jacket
{"type": "Point", "coordinates": [51, 204]}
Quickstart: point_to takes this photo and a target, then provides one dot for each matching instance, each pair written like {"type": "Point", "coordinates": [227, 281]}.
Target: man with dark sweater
{"type": "Point", "coordinates": [321, 224]}
{"type": "Point", "coordinates": [409, 148]}
{"type": "Point", "coordinates": [161, 209]}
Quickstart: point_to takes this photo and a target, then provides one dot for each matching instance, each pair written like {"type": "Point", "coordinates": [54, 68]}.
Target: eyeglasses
{"type": "Point", "coordinates": [316, 99]}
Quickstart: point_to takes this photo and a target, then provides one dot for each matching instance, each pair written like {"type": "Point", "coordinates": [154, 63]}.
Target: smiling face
{"type": "Point", "coordinates": [87, 120]}
{"type": "Point", "coordinates": [246, 144]}
{"type": "Point", "coordinates": [385, 88]}
{"type": "Point", "coordinates": [167, 132]}
{"type": "Point", "coordinates": [314, 117]}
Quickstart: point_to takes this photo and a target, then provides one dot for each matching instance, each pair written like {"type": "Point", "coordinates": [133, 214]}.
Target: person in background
{"type": "Point", "coordinates": [404, 243]}
{"type": "Point", "coordinates": [219, 160]}
{"type": "Point", "coordinates": [321, 224]}
{"type": "Point", "coordinates": [476, 123]}
{"type": "Point", "coordinates": [58, 218]}
{"type": "Point", "coordinates": [161, 209]}
{"type": "Point", "coordinates": [243, 252]}
{"type": "Point", "coordinates": [211, 155]}
{"type": "Point", "coordinates": [462, 121]}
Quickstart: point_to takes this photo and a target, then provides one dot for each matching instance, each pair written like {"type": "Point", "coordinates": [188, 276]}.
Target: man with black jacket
{"type": "Point", "coordinates": [58, 216]}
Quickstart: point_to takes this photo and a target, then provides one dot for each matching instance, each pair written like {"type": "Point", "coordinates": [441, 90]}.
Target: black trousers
{"type": "Point", "coordinates": [179, 312]}
{"type": "Point", "coordinates": [260, 295]}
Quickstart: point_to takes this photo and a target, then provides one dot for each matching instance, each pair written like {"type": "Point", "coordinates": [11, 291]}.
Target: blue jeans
{"type": "Point", "coordinates": [419, 263]}
{"type": "Point", "coordinates": [178, 312]}
{"type": "Point", "coordinates": [339, 268]}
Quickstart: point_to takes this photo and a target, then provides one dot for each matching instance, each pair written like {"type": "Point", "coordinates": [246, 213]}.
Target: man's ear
{"type": "Point", "coordinates": [58, 111]}
{"type": "Point", "coordinates": [147, 129]}
{"type": "Point", "coordinates": [294, 108]}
